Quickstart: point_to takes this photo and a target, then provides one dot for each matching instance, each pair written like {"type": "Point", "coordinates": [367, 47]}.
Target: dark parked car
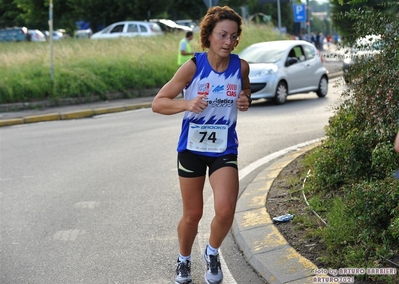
{"type": "Point", "coordinates": [14, 34]}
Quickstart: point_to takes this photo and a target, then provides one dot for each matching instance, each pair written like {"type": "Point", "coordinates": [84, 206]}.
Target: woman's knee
{"type": "Point", "coordinates": [192, 217]}
{"type": "Point", "coordinates": [225, 213]}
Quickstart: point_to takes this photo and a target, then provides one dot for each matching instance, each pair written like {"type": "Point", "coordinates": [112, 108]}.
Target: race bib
{"type": "Point", "coordinates": [207, 137]}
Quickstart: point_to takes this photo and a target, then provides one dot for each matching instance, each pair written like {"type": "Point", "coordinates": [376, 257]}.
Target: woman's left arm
{"type": "Point", "coordinates": [244, 100]}
{"type": "Point", "coordinates": [246, 86]}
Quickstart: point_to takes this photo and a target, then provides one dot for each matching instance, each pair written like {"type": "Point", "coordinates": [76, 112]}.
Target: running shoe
{"type": "Point", "coordinates": [183, 273]}
{"type": "Point", "coordinates": [213, 273]}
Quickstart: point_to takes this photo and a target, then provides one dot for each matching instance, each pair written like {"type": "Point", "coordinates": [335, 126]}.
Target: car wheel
{"type": "Point", "coordinates": [281, 93]}
{"type": "Point", "coordinates": [323, 87]}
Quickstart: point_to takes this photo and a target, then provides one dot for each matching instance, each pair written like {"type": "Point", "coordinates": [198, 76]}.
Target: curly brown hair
{"type": "Point", "coordinates": [212, 17]}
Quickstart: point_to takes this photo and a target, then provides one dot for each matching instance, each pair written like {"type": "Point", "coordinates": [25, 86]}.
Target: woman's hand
{"type": "Point", "coordinates": [243, 102]}
{"type": "Point", "coordinates": [198, 104]}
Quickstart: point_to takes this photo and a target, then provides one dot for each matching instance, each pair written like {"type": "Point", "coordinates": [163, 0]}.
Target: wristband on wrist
{"type": "Point", "coordinates": [249, 99]}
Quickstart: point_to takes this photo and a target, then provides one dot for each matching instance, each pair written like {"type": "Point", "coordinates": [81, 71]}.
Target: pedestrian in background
{"type": "Point", "coordinates": [313, 39]}
{"type": "Point", "coordinates": [397, 143]}
{"type": "Point", "coordinates": [216, 86]}
{"type": "Point", "coordinates": [185, 52]}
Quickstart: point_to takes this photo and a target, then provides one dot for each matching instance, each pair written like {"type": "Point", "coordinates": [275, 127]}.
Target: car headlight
{"type": "Point", "coordinates": [266, 72]}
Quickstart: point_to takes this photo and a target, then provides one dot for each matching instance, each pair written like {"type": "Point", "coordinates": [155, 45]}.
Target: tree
{"type": "Point", "coordinates": [352, 172]}
{"type": "Point", "coordinates": [341, 8]}
{"type": "Point", "coordinates": [287, 17]}
{"type": "Point", "coordinates": [9, 14]}
{"type": "Point", "coordinates": [35, 13]}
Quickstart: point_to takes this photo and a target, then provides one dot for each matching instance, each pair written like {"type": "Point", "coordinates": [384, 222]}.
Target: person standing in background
{"type": "Point", "coordinates": [185, 52]}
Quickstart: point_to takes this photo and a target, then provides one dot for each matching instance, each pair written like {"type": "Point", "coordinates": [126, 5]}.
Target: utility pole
{"type": "Point", "coordinates": [50, 22]}
{"type": "Point", "coordinates": [308, 18]}
{"type": "Point", "coordinates": [279, 16]}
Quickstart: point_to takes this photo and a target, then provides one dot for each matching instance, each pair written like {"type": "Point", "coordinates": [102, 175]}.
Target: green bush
{"type": "Point", "coordinates": [373, 206]}
{"type": "Point", "coordinates": [352, 170]}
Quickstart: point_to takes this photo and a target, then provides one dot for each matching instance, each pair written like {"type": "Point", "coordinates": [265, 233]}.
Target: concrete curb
{"type": "Point", "coordinates": [70, 115]}
{"type": "Point", "coordinates": [262, 244]}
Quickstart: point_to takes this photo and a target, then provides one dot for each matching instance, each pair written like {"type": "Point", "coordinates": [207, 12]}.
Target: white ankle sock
{"type": "Point", "coordinates": [210, 250]}
{"type": "Point", "coordinates": [184, 258]}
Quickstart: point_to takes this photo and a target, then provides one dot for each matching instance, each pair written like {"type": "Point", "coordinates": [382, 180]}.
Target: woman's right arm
{"type": "Point", "coordinates": [164, 102]}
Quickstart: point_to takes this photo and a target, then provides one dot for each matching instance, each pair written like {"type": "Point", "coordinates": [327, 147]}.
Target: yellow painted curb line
{"type": "Point", "coordinates": [132, 107]}
{"type": "Point", "coordinates": [13, 121]}
{"type": "Point", "coordinates": [43, 117]}
{"type": "Point", "coordinates": [108, 110]}
{"type": "Point", "coordinates": [77, 114]}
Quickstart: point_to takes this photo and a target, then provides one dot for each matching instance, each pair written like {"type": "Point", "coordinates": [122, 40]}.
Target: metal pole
{"type": "Point", "coordinates": [210, 4]}
{"type": "Point", "coordinates": [308, 18]}
{"type": "Point", "coordinates": [50, 22]}
{"type": "Point", "coordinates": [279, 16]}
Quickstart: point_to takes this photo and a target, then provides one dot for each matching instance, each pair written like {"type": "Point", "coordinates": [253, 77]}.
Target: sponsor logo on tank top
{"type": "Point", "coordinates": [231, 90]}
{"type": "Point", "coordinates": [203, 89]}
{"type": "Point", "coordinates": [220, 102]}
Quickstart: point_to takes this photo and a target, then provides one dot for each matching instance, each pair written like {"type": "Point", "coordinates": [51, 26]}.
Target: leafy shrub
{"type": "Point", "coordinates": [373, 206]}
{"type": "Point", "coordinates": [352, 170]}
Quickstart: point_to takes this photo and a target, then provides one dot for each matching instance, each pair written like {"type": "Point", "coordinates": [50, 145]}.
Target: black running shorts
{"type": "Point", "coordinates": [195, 165]}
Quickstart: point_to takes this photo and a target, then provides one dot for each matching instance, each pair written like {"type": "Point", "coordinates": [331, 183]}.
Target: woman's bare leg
{"type": "Point", "coordinates": [192, 196]}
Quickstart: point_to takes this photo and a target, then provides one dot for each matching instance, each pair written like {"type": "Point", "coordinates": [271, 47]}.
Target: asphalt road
{"type": "Point", "coordinates": [96, 200]}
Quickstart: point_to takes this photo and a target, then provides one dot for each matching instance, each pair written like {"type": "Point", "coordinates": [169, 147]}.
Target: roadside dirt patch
{"type": "Point", "coordinates": [282, 200]}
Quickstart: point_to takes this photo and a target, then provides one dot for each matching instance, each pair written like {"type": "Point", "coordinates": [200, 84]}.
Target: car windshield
{"type": "Point", "coordinates": [262, 54]}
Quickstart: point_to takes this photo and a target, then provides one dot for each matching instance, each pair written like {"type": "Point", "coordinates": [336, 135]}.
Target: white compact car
{"type": "Point", "coordinates": [128, 29]}
{"type": "Point", "coordinates": [36, 35]}
{"type": "Point", "coordinates": [285, 67]}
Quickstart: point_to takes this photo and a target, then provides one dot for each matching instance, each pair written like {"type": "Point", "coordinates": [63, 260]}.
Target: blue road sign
{"type": "Point", "coordinates": [299, 13]}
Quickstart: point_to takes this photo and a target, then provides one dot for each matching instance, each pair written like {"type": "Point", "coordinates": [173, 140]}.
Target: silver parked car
{"type": "Point", "coordinates": [285, 67]}
{"type": "Point", "coordinates": [129, 29]}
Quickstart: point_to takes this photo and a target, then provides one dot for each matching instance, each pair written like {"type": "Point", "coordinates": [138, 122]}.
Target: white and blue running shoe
{"type": "Point", "coordinates": [183, 273]}
{"type": "Point", "coordinates": [213, 273]}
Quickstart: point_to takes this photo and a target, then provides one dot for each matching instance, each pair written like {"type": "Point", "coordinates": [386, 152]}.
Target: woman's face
{"type": "Point", "coordinates": [224, 37]}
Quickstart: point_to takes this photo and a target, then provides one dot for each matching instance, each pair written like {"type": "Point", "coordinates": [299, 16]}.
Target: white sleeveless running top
{"type": "Point", "coordinates": [213, 131]}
